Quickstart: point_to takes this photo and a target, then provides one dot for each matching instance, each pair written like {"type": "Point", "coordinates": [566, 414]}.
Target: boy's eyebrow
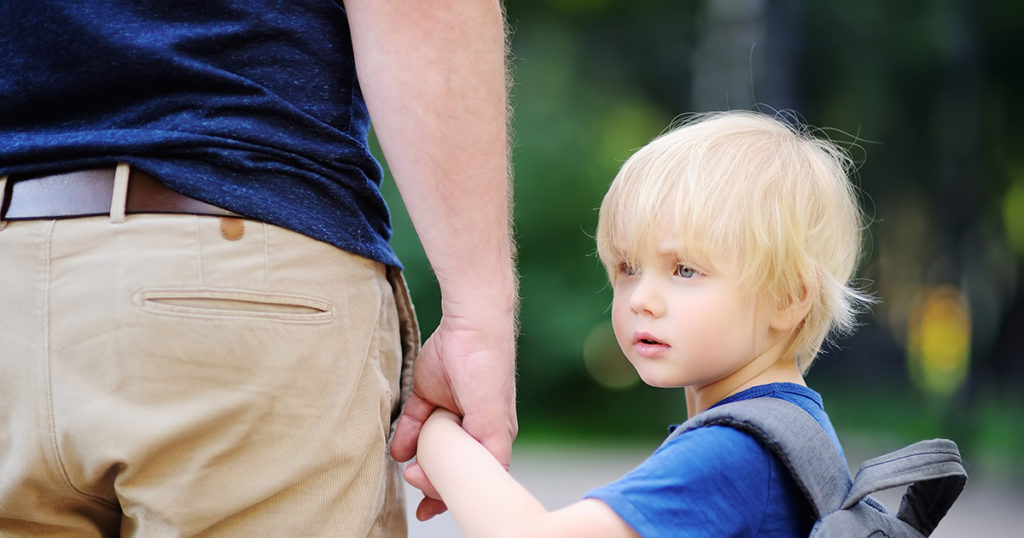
{"type": "Point", "coordinates": [669, 248]}
{"type": "Point", "coordinates": [666, 248]}
{"type": "Point", "coordinates": [672, 250]}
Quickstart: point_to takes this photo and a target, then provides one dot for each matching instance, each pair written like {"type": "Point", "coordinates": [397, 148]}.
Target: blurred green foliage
{"type": "Point", "coordinates": [924, 94]}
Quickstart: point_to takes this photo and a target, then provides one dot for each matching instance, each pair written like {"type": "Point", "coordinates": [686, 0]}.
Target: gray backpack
{"type": "Point", "coordinates": [843, 507]}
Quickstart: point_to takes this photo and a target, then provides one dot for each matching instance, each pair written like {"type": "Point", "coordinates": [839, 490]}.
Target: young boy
{"type": "Point", "coordinates": [729, 243]}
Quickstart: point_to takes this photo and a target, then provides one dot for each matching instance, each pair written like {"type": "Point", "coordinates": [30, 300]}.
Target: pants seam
{"type": "Point", "coordinates": [408, 328]}
{"type": "Point", "coordinates": [379, 352]}
{"type": "Point", "coordinates": [384, 288]}
{"type": "Point", "coordinates": [48, 369]}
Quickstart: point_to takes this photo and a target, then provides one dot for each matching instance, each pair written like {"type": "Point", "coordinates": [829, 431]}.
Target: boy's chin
{"type": "Point", "coordinates": [654, 379]}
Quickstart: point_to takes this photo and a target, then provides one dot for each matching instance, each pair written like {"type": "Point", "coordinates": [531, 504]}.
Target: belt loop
{"type": "Point", "coordinates": [120, 195]}
{"type": "Point", "coordinates": [3, 200]}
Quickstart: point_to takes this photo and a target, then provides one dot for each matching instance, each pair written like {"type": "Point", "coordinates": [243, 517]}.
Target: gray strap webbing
{"type": "Point", "coordinates": [795, 438]}
{"type": "Point", "coordinates": [932, 469]}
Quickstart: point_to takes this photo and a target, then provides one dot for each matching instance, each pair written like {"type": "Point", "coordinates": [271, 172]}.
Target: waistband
{"type": "Point", "coordinates": [99, 191]}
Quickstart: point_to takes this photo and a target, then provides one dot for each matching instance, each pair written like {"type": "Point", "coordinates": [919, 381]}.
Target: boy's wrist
{"type": "Point", "coordinates": [443, 415]}
{"type": "Point", "coordinates": [437, 421]}
{"type": "Point", "coordinates": [435, 436]}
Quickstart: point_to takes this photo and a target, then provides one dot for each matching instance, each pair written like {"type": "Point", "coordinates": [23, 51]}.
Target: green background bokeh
{"type": "Point", "coordinates": [923, 94]}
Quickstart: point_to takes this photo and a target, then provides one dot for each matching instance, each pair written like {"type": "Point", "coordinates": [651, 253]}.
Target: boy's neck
{"type": "Point", "coordinates": [783, 370]}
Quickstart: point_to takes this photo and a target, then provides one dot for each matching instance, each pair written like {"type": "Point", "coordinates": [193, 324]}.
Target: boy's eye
{"type": "Point", "coordinates": [627, 269]}
{"type": "Point", "coordinates": [683, 271]}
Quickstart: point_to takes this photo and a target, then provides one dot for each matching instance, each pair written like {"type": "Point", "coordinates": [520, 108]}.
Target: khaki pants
{"type": "Point", "coordinates": [158, 379]}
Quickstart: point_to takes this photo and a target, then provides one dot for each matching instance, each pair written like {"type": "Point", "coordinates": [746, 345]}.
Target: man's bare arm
{"type": "Point", "coordinates": [434, 78]}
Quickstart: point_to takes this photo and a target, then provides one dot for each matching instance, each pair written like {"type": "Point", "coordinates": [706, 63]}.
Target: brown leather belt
{"type": "Point", "coordinates": [88, 193]}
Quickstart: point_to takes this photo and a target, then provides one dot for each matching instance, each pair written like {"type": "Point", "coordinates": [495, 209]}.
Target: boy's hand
{"type": "Point", "coordinates": [431, 504]}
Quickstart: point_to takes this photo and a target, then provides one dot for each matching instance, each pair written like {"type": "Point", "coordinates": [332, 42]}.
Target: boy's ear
{"type": "Point", "coordinates": [792, 311]}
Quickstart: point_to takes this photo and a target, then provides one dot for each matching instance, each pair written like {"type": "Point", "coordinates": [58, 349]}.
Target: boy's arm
{"type": "Point", "coordinates": [487, 502]}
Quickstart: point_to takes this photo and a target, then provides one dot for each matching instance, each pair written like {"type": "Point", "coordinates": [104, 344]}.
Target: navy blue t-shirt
{"type": "Point", "coordinates": [252, 105]}
{"type": "Point", "coordinates": [717, 481]}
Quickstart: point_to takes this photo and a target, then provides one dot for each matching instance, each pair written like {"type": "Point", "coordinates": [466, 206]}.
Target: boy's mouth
{"type": "Point", "coordinates": [646, 345]}
{"type": "Point", "coordinates": [647, 339]}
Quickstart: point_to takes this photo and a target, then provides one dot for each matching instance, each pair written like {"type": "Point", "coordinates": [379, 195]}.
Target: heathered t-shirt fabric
{"type": "Point", "coordinates": [251, 105]}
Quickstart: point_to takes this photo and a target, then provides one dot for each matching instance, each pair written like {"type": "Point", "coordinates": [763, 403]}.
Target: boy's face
{"type": "Point", "coordinates": [685, 322]}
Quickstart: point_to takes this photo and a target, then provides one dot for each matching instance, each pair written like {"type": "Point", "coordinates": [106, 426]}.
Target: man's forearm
{"type": "Point", "coordinates": [434, 78]}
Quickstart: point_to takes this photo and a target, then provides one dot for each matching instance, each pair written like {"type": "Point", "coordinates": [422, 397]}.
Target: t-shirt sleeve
{"type": "Point", "coordinates": [712, 481]}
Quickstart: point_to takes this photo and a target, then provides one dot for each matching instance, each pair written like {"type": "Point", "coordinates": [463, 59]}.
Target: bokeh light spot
{"type": "Point", "coordinates": [604, 361]}
{"type": "Point", "coordinates": [939, 340]}
{"type": "Point", "coordinates": [1013, 217]}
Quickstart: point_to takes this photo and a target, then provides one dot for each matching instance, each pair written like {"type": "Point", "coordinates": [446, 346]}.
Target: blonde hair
{"type": "Point", "coordinates": [750, 188]}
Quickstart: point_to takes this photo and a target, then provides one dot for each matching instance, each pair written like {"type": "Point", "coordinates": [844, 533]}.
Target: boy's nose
{"type": "Point", "coordinates": [646, 299]}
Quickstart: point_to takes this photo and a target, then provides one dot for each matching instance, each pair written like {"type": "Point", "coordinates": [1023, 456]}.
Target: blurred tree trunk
{"type": "Point", "coordinates": [747, 55]}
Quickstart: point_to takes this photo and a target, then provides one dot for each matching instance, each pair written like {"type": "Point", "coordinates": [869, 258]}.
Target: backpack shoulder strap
{"type": "Point", "coordinates": [795, 438]}
{"type": "Point", "coordinates": [932, 469]}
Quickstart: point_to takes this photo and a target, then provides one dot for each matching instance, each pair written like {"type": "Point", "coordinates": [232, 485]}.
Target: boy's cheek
{"type": "Point", "coordinates": [618, 319]}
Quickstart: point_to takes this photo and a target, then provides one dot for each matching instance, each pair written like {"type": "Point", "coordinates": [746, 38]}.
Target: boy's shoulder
{"type": "Point", "coordinates": [714, 450]}
{"type": "Point", "coordinates": [842, 506]}
{"type": "Point", "coordinates": [716, 477]}
{"type": "Point", "coordinates": [801, 396]}
{"type": "Point", "coordinates": [718, 450]}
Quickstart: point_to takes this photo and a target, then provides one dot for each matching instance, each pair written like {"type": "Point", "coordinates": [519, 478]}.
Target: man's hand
{"type": "Point", "coordinates": [468, 367]}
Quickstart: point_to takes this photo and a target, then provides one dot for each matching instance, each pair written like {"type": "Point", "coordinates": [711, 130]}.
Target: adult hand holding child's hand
{"type": "Point", "coordinates": [466, 367]}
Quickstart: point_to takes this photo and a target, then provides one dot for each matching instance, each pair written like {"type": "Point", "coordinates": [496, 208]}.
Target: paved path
{"type": "Point", "coordinates": [560, 476]}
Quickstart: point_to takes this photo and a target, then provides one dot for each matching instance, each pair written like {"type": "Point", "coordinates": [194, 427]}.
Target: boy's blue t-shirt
{"type": "Point", "coordinates": [718, 481]}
